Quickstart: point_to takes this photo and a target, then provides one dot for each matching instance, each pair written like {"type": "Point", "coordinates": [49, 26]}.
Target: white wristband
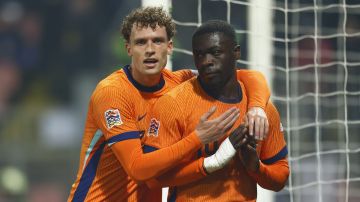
{"type": "Point", "coordinates": [222, 156]}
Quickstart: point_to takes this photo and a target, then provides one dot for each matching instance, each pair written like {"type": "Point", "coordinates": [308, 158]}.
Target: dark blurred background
{"type": "Point", "coordinates": [54, 52]}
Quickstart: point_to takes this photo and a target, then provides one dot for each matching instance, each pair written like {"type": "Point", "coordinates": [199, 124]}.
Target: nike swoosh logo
{"type": "Point", "coordinates": [141, 117]}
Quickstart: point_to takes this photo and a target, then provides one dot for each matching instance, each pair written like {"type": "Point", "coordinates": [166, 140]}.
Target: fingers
{"type": "Point", "coordinates": [207, 115]}
{"type": "Point", "coordinates": [226, 114]}
{"type": "Point", "coordinates": [262, 129]}
{"type": "Point", "coordinates": [230, 121]}
{"type": "Point", "coordinates": [212, 130]}
{"type": "Point", "coordinates": [239, 136]}
{"type": "Point", "coordinates": [257, 128]}
{"type": "Point", "coordinates": [251, 124]}
{"type": "Point", "coordinates": [243, 130]}
{"type": "Point", "coordinates": [250, 148]}
{"type": "Point", "coordinates": [258, 123]}
{"type": "Point", "coordinates": [225, 121]}
{"type": "Point", "coordinates": [248, 140]}
{"type": "Point", "coordinates": [266, 128]}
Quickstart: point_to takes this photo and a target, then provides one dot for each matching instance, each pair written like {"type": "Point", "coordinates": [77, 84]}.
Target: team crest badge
{"type": "Point", "coordinates": [112, 118]}
{"type": "Point", "coordinates": [154, 128]}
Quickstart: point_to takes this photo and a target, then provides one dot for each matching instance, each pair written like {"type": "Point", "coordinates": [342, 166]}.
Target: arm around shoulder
{"type": "Point", "coordinates": [256, 86]}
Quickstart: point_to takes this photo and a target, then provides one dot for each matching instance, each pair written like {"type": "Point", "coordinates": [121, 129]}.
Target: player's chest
{"type": "Point", "coordinates": [192, 122]}
{"type": "Point", "coordinates": [196, 112]}
{"type": "Point", "coordinates": [140, 112]}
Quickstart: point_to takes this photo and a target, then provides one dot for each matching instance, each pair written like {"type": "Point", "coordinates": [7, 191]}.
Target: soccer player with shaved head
{"type": "Point", "coordinates": [262, 162]}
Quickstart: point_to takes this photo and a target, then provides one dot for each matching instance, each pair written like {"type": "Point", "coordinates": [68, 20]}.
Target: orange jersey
{"type": "Point", "coordinates": [111, 155]}
{"type": "Point", "coordinates": [178, 112]}
{"type": "Point", "coordinates": [116, 113]}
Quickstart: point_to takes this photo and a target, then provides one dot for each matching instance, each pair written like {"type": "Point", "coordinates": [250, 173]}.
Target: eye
{"type": "Point", "coordinates": [216, 52]}
{"type": "Point", "coordinates": [158, 40]}
{"type": "Point", "coordinates": [140, 42]}
{"type": "Point", "coordinates": [198, 54]}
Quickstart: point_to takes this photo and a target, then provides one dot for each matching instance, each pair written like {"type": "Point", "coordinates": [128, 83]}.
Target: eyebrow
{"type": "Point", "coordinates": [208, 48]}
{"type": "Point", "coordinates": [154, 38]}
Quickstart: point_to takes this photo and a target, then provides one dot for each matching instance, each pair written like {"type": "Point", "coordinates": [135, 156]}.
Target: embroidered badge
{"type": "Point", "coordinates": [112, 118]}
{"type": "Point", "coordinates": [154, 128]}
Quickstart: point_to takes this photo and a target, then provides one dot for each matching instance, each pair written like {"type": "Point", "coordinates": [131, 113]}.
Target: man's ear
{"type": "Point", "coordinates": [128, 48]}
{"type": "Point", "coordinates": [237, 52]}
{"type": "Point", "coordinates": [170, 47]}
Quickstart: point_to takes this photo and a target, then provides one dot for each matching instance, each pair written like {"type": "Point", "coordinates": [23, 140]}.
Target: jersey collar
{"type": "Point", "coordinates": [140, 87]}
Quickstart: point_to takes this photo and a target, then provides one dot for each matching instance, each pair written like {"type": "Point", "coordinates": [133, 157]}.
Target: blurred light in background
{"type": "Point", "coordinates": [13, 180]}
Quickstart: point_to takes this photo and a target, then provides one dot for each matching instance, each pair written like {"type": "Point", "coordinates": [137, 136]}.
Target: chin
{"type": "Point", "coordinates": [153, 71]}
{"type": "Point", "coordinates": [212, 81]}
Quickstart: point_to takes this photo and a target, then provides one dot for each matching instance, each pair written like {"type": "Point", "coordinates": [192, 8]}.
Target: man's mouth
{"type": "Point", "coordinates": [150, 62]}
{"type": "Point", "coordinates": [210, 73]}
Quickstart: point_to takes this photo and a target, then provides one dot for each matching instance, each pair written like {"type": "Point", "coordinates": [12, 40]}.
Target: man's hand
{"type": "Point", "coordinates": [212, 130]}
{"type": "Point", "coordinates": [227, 149]}
{"type": "Point", "coordinates": [248, 155]}
{"type": "Point", "coordinates": [239, 136]}
{"type": "Point", "coordinates": [258, 123]}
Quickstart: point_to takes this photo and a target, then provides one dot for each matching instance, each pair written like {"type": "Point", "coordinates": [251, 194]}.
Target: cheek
{"type": "Point", "coordinates": [136, 53]}
{"type": "Point", "coordinates": [165, 51]}
{"type": "Point", "coordinates": [228, 61]}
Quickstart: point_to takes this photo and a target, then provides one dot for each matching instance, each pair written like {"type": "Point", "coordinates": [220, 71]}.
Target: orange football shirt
{"type": "Point", "coordinates": [116, 116]}
{"type": "Point", "coordinates": [176, 115]}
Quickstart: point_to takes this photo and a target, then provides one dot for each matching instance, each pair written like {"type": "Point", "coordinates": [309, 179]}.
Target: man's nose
{"type": "Point", "coordinates": [207, 60]}
{"type": "Point", "coordinates": [149, 49]}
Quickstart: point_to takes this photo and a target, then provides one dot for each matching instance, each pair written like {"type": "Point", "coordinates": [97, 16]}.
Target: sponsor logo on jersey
{"type": "Point", "coordinates": [140, 117]}
{"type": "Point", "coordinates": [154, 128]}
{"type": "Point", "coordinates": [113, 118]}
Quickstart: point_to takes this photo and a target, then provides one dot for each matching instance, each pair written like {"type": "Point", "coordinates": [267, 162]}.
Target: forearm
{"type": "Point", "coordinates": [272, 177]}
{"type": "Point", "coordinates": [141, 167]}
{"type": "Point", "coordinates": [180, 175]}
{"type": "Point", "coordinates": [256, 87]}
{"type": "Point", "coordinates": [197, 169]}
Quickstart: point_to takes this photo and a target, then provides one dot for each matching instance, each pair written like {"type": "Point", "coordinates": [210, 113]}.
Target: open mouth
{"type": "Point", "coordinates": [150, 62]}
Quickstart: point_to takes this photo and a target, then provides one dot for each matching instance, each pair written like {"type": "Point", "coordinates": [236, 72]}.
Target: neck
{"type": "Point", "coordinates": [228, 90]}
{"type": "Point", "coordinates": [143, 79]}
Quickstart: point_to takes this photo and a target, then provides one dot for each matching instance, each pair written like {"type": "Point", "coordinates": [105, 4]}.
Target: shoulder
{"type": "Point", "coordinates": [177, 97]}
{"type": "Point", "coordinates": [181, 91]}
{"type": "Point", "coordinates": [248, 72]}
{"type": "Point", "coordinates": [178, 76]}
{"type": "Point", "coordinates": [114, 85]}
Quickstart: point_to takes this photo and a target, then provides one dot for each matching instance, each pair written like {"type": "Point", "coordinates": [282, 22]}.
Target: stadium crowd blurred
{"type": "Point", "coordinates": [51, 57]}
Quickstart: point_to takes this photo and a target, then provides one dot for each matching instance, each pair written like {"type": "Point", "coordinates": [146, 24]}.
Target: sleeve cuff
{"type": "Point", "coordinates": [256, 104]}
{"type": "Point", "coordinates": [201, 167]}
